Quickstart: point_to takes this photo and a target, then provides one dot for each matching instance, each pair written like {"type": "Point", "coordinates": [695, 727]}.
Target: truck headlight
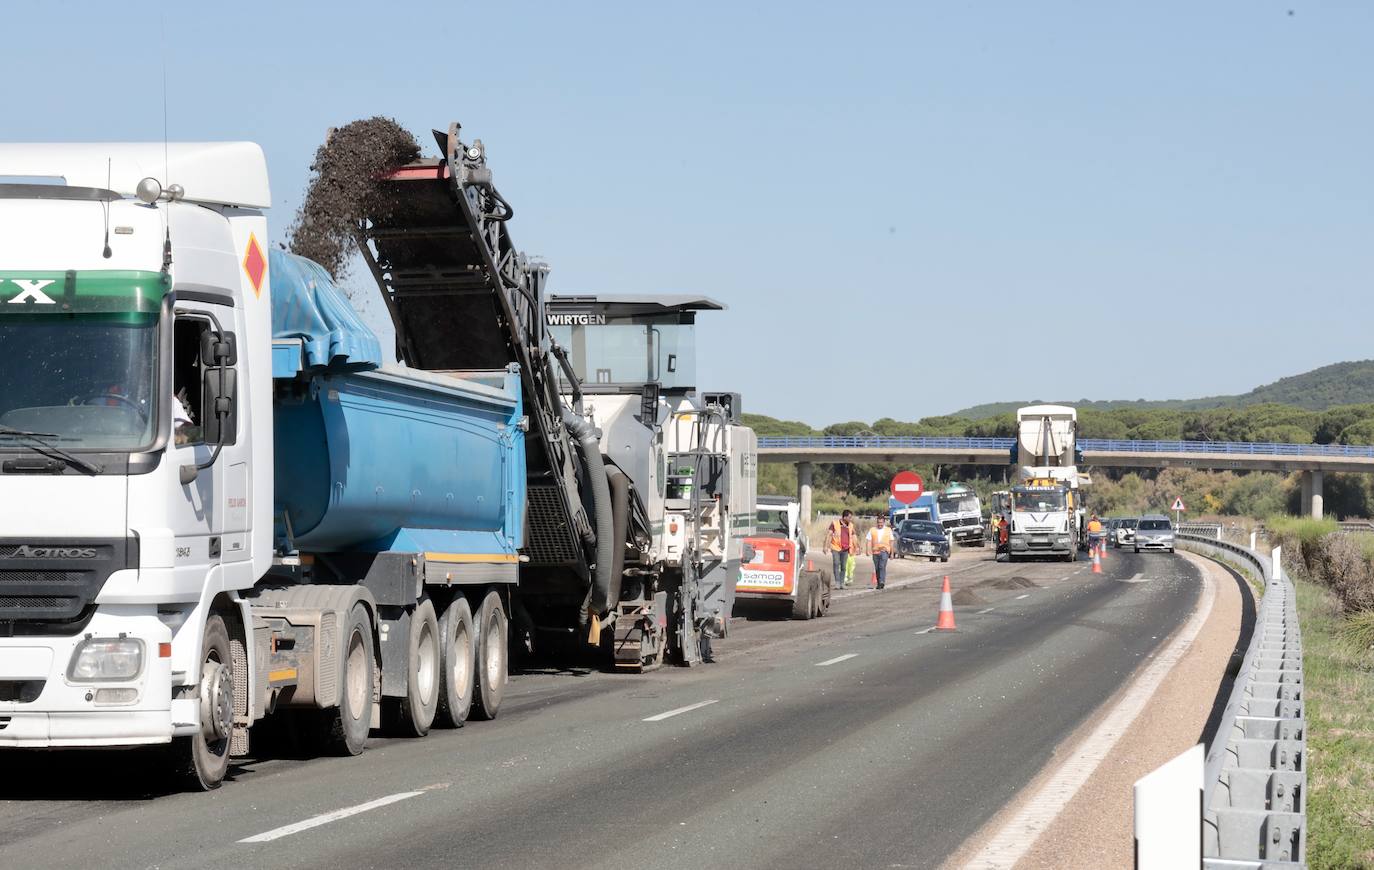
{"type": "Point", "coordinates": [1062, 539]}
{"type": "Point", "coordinates": [106, 659]}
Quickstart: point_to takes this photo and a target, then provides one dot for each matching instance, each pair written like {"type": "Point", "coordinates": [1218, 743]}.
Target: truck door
{"type": "Point", "coordinates": [217, 500]}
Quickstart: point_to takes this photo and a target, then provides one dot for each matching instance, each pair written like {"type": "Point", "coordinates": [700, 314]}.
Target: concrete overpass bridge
{"type": "Point", "coordinates": [1313, 460]}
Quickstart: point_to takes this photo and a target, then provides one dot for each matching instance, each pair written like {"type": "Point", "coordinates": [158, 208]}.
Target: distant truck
{"type": "Point", "coordinates": [927, 507]}
{"type": "Point", "coordinates": [1042, 520]}
{"type": "Point", "coordinates": [1047, 454]}
{"type": "Point", "coordinates": [961, 514]}
{"type": "Point", "coordinates": [773, 569]}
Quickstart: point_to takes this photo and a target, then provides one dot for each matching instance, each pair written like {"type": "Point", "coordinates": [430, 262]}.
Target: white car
{"type": "Point", "coordinates": [1124, 535]}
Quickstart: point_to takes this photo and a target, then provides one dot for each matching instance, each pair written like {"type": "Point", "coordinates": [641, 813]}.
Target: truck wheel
{"type": "Point", "coordinates": [491, 657]}
{"type": "Point", "coordinates": [412, 715]}
{"type": "Point", "coordinates": [458, 642]}
{"type": "Point", "coordinates": [804, 607]}
{"type": "Point", "coordinates": [944, 558]}
{"type": "Point", "coordinates": [201, 761]}
{"type": "Point", "coordinates": [344, 728]}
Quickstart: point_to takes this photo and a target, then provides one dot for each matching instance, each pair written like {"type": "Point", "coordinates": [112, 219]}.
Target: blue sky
{"type": "Point", "coordinates": [909, 207]}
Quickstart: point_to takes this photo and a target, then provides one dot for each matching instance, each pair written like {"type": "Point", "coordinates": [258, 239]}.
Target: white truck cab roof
{"type": "Point", "coordinates": [211, 173]}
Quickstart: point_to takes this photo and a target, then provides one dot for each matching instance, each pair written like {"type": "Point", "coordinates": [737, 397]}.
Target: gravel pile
{"type": "Point", "coordinates": [344, 188]}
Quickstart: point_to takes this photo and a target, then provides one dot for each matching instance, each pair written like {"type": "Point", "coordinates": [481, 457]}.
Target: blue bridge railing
{"type": "Point", "coordinates": [1102, 445]}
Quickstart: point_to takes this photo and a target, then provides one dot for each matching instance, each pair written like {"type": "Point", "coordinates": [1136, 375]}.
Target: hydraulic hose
{"type": "Point", "coordinates": [620, 526]}
{"type": "Point", "coordinates": [590, 448]}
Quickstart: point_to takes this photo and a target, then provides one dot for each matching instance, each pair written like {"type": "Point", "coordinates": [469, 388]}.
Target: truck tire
{"type": "Point", "coordinates": [201, 761]}
{"type": "Point", "coordinates": [413, 714]}
{"type": "Point", "coordinates": [344, 728]}
{"type": "Point", "coordinates": [804, 607]}
{"type": "Point", "coordinates": [491, 657]}
{"type": "Point", "coordinates": [944, 558]}
{"type": "Point", "coordinates": [458, 642]}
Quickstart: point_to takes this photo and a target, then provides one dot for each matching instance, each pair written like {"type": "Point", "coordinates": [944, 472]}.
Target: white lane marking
{"type": "Point", "coordinates": [1039, 811]}
{"type": "Point", "coordinates": [986, 610]}
{"type": "Point", "coordinates": [836, 660]}
{"type": "Point", "coordinates": [1138, 578]}
{"type": "Point", "coordinates": [326, 818]}
{"type": "Point", "coordinates": [680, 710]}
{"type": "Point", "coordinates": [1019, 597]}
{"type": "Point", "coordinates": [926, 630]}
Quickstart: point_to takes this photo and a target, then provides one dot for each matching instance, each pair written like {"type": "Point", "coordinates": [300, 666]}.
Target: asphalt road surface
{"type": "Point", "coordinates": [858, 740]}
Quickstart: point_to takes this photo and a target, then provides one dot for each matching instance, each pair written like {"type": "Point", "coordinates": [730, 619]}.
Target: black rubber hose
{"type": "Point", "coordinates": [590, 448]}
{"type": "Point", "coordinates": [620, 527]}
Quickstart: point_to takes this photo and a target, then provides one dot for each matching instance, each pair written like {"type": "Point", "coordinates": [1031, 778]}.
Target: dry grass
{"type": "Point", "coordinates": [1338, 677]}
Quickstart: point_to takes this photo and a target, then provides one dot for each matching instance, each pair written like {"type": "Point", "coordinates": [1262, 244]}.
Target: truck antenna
{"type": "Point", "coordinates": [105, 207]}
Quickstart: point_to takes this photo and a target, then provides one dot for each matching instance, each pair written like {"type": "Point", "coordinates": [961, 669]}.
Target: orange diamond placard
{"type": "Point", "coordinates": [255, 265]}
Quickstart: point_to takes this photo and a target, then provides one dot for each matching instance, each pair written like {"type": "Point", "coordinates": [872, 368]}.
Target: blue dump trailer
{"type": "Point", "coordinates": [379, 459]}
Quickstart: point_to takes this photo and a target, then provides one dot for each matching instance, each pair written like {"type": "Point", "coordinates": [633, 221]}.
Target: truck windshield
{"type": "Point", "coordinates": [629, 353]}
{"type": "Point", "coordinates": [1038, 502]}
{"type": "Point", "coordinates": [85, 376]}
{"type": "Point", "coordinates": [959, 504]}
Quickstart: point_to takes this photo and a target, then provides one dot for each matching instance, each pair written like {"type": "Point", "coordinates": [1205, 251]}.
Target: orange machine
{"type": "Point", "coordinates": [773, 570]}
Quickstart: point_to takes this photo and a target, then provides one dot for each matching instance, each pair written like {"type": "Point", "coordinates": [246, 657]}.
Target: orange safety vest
{"type": "Point", "coordinates": [880, 539]}
{"type": "Point", "coordinates": [837, 531]}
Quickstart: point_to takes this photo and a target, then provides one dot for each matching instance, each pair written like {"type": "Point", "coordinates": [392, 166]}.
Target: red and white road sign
{"type": "Point", "coordinates": [1178, 505]}
{"type": "Point", "coordinates": [907, 486]}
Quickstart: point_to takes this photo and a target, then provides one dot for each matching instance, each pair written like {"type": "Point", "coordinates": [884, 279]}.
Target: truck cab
{"type": "Point", "coordinates": [1042, 520]}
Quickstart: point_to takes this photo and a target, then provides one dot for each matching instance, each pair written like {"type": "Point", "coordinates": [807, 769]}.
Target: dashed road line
{"type": "Point", "coordinates": [1019, 597]}
{"type": "Point", "coordinates": [680, 710]}
{"type": "Point", "coordinates": [987, 610]}
{"type": "Point", "coordinates": [326, 818]}
{"type": "Point", "coordinates": [836, 660]}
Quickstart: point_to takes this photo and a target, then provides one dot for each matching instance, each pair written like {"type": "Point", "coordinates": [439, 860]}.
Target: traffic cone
{"type": "Point", "coordinates": [1102, 545]}
{"type": "Point", "coordinates": [1097, 561]}
{"type": "Point", "coordinates": [946, 619]}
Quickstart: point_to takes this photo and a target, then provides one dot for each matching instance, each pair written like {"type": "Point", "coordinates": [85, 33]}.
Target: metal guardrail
{"type": "Point", "coordinates": [1210, 531]}
{"type": "Point", "coordinates": [1255, 793]}
{"type": "Point", "coordinates": [918, 442]}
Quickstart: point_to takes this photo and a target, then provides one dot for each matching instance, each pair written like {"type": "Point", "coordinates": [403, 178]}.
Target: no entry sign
{"type": "Point", "coordinates": [907, 486]}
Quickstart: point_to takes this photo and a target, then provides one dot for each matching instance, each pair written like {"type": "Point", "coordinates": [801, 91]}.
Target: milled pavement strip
{"type": "Point", "coordinates": [326, 818]}
{"type": "Point", "coordinates": [1019, 834]}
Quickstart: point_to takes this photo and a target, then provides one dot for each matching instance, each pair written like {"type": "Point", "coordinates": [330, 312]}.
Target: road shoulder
{"type": "Point", "coordinates": [1094, 829]}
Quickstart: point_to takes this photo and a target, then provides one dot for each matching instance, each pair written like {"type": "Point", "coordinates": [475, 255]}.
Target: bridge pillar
{"type": "Point", "coordinates": [804, 472]}
{"type": "Point", "coordinates": [1316, 494]}
{"type": "Point", "coordinates": [1305, 506]}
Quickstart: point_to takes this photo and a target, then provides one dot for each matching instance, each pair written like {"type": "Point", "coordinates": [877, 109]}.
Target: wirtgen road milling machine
{"type": "Point", "coordinates": [639, 487]}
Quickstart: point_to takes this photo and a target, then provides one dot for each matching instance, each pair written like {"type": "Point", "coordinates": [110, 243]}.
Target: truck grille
{"type": "Point", "coordinates": [54, 583]}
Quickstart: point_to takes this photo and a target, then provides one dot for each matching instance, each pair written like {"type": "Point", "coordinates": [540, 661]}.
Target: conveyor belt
{"type": "Point", "coordinates": [464, 300]}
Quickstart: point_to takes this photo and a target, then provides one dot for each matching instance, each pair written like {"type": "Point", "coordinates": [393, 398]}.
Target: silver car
{"type": "Point", "coordinates": [1154, 532]}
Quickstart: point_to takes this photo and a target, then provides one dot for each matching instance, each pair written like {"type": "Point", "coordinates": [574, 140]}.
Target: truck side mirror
{"type": "Point", "coordinates": [218, 349]}
{"type": "Point", "coordinates": [219, 415]}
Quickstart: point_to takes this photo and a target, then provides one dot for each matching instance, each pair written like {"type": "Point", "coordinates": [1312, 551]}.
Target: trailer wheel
{"type": "Point", "coordinates": [345, 727]}
{"type": "Point", "coordinates": [804, 607]}
{"type": "Point", "coordinates": [412, 715]}
{"type": "Point", "coordinates": [458, 642]}
{"type": "Point", "coordinates": [491, 657]}
{"type": "Point", "coordinates": [201, 761]}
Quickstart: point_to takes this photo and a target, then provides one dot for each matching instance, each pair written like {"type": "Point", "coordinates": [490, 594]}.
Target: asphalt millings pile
{"type": "Point", "coordinates": [344, 188]}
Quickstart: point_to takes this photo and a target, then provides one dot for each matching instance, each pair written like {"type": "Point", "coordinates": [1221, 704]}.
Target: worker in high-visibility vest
{"type": "Point", "coordinates": [842, 539]}
{"type": "Point", "coordinates": [879, 546]}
